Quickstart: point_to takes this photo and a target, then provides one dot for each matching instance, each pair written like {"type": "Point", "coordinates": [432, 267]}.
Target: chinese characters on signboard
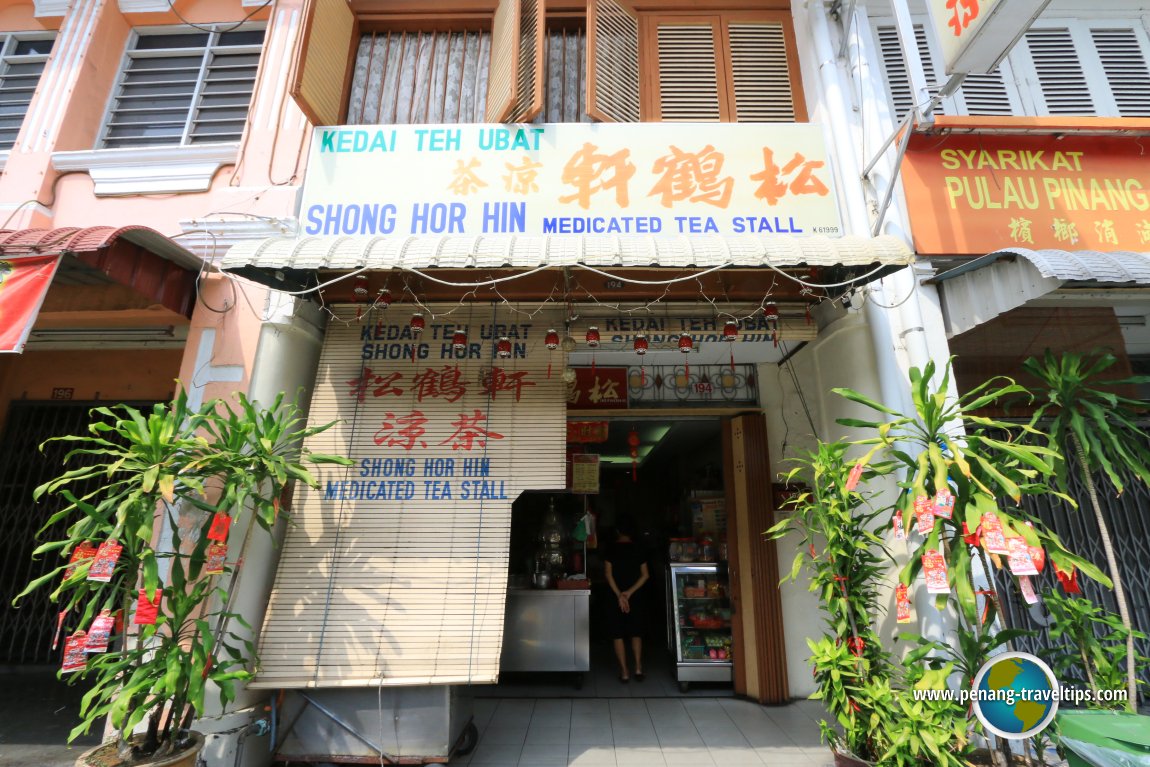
{"type": "Point", "coordinates": [570, 178]}
{"type": "Point", "coordinates": [977, 194]}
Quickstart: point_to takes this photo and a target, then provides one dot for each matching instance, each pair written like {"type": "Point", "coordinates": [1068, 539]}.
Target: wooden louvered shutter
{"type": "Point", "coordinates": [613, 92]}
{"type": "Point", "coordinates": [689, 62]}
{"type": "Point", "coordinates": [987, 95]}
{"type": "Point", "coordinates": [894, 67]}
{"type": "Point", "coordinates": [1124, 60]}
{"type": "Point", "coordinates": [320, 72]}
{"type": "Point", "coordinates": [515, 80]}
{"type": "Point", "coordinates": [764, 80]}
{"type": "Point", "coordinates": [1061, 79]}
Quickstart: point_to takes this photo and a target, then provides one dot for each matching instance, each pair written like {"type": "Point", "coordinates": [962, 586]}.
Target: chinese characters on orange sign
{"type": "Point", "coordinates": [976, 194]}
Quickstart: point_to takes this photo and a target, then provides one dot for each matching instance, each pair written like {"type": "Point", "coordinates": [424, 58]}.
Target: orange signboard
{"type": "Point", "coordinates": [975, 194]}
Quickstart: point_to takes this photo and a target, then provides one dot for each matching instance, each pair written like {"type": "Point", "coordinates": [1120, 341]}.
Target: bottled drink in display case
{"type": "Point", "coordinates": [699, 623]}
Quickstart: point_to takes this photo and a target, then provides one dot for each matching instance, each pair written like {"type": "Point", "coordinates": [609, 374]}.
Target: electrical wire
{"type": "Point", "coordinates": [213, 29]}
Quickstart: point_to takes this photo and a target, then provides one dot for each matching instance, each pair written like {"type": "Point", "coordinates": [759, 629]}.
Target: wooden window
{"type": "Point", "coordinates": [725, 66]}
{"type": "Point", "coordinates": [515, 80]}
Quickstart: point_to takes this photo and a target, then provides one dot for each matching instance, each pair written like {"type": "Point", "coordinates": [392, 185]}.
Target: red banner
{"type": "Point", "coordinates": [23, 284]}
{"type": "Point", "coordinates": [598, 389]}
{"type": "Point", "coordinates": [587, 432]}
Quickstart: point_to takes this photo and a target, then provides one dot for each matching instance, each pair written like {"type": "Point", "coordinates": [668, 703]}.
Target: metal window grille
{"type": "Point", "coordinates": [184, 86]}
{"type": "Point", "coordinates": [22, 59]}
{"type": "Point", "coordinates": [26, 631]}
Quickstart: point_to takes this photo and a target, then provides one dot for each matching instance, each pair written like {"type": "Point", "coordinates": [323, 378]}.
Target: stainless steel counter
{"type": "Point", "coordinates": [546, 630]}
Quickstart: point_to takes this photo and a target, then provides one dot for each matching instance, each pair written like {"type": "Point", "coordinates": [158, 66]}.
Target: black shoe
{"type": "Point", "coordinates": [624, 679]}
{"type": "Point", "coordinates": [640, 676]}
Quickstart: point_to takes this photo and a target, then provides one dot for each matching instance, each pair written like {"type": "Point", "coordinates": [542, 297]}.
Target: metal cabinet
{"type": "Point", "coordinates": [546, 630]}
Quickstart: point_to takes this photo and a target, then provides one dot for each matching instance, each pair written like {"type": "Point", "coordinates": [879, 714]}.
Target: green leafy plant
{"type": "Point", "coordinates": [846, 561]}
{"type": "Point", "coordinates": [1097, 426]}
{"type": "Point", "coordinates": [919, 730]}
{"type": "Point", "coordinates": [1092, 646]}
{"type": "Point", "coordinates": [943, 446]}
{"type": "Point", "coordinates": [163, 478]}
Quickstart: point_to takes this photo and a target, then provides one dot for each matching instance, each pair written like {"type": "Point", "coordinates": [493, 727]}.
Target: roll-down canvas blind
{"type": "Point", "coordinates": [395, 571]}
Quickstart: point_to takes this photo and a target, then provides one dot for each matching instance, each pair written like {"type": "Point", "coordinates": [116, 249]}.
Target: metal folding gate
{"type": "Point", "coordinates": [1128, 517]}
{"type": "Point", "coordinates": [26, 631]}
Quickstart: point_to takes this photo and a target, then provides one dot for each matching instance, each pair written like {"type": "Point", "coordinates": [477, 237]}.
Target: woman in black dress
{"type": "Point", "coordinates": [627, 571]}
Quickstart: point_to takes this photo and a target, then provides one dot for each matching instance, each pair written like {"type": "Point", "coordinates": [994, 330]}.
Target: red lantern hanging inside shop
{"type": "Point", "coordinates": [459, 340]}
{"type": "Point", "coordinates": [503, 348]}
{"type": "Point", "coordinates": [551, 341]}
{"type": "Point", "coordinates": [730, 335]}
{"type": "Point", "coordinates": [686, 346]}
{"type": "Point", "coordinates": [771, 315]}
{"type": "Point", "coordinates": [592, 344]}
{"type": "Point", "coordinates": [384, 298]}
{"type": "Point", "coordinates": [633, 442]}
{"type": "Point", "coordinates": [640, 346]}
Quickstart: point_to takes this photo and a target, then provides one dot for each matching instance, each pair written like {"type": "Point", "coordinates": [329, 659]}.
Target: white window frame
{"type": "Point", "coordinates": [1101, 94]}
{"type": "Point", "coordinates": [8, 43]}
{"type": "Point", "coordinates": [1018, 71]}
{"type": "Point", "coordinates": [205, 52]}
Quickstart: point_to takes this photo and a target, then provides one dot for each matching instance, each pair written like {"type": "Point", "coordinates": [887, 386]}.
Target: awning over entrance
{"type": "Point", "coordinates": [137, 257]}
{"type": "Point", "coordinates": [990, 285]}
{"type": "Point", "coordinates": [540, 251]}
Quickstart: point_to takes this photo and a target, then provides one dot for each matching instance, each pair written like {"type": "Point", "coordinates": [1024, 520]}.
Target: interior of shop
{"type": "Point", "coordinates": [663, 478]}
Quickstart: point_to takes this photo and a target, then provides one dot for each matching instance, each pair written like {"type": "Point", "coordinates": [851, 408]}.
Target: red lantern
{"type": "Point", "coordinates": [731, 334]}
{"type": "Point", "coordinates": [633, 441]}
{"type": "Point", "coordinates": [686, 346]}
{"type": "Point", "coordinates": [417, 324]}
{"type": "Point", "coordinates": [641, 344]}
{"type": "Point", "coordinates": [459, 340]}
{"type": "Point", "coordinates": [771, 315]}
{"type": "Point", "coordinates": [593, 337]}
{"type": "Point", "coordinates": [384, 298]}
{"type": "Point", "coordinates": [552, 340]}
{"type": "Point", "coordinates": [503, 348]}
{"type": "Point", "coordinates": [360, 288]}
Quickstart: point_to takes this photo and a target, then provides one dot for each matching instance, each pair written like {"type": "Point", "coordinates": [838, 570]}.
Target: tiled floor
{"type": "Point", "coordinates": [651, 732]}
{"type": "Point", "coordinates": [602, 681]}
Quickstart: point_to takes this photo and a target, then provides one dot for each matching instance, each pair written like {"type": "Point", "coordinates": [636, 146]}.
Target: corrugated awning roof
{"type": "Point", "coordinates": [74, 239]}
{"type": "Point", "coordinates": [134, 256]}
{"type": "Point", "coordinates": [534, 251]}
{"type": "Point", "coordinates": [990, 285]}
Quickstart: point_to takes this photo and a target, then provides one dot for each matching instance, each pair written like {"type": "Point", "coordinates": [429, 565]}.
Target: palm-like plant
{"type": "Point", "coordinates": [166, 480]}
{"type": "Point", "coordinates": [1096, 425]}
{"type": "Point", "coordinates": [945, 448]}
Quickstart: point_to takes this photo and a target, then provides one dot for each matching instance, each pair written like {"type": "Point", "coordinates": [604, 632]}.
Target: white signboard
{"type": "Point", "coordinates": [569, 178]}
{"type": "Point", "coordinates": [976, 35]}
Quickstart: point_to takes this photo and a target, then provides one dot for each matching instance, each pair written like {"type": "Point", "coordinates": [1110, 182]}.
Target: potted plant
{"type": "Point", "coordinates": [956, 465]}
{"type": "Point", "coordinates": [1085, 418]}
{"type": "Point", "coordinates": [145, 616]}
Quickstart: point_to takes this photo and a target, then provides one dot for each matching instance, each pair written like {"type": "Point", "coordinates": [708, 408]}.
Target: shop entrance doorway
{"type": "Point", "coordinates": [663, 479]}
